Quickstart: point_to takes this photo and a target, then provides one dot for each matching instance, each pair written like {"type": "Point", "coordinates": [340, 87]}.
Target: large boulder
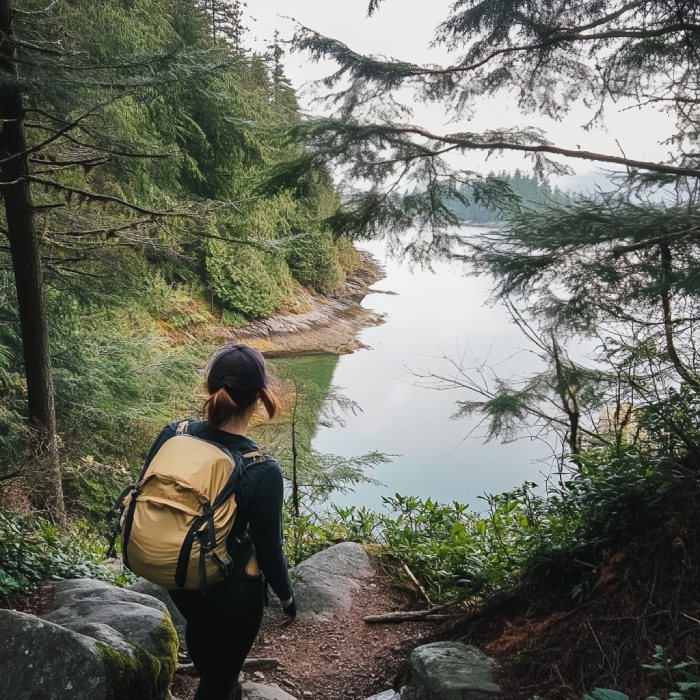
{"type": "Point", "coordinates": [98, 642]}
{"type": "Point", "coordinates": [325, 582]}
{"type": "Point", "coordinates": [258, 691]}
{"type": "Point", "coordinates": [139, 618]}
{"type": "Point", "coordinates": [450, 671]}
{"type": "Point", "coordinates": [147, 588]}
{"type": "Point", "coordinates": [47, 661]}
{"type": "Point", "coordinates": [386, 695]}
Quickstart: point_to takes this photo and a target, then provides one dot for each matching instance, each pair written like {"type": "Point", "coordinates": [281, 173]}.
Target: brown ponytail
{"type": "Point", "coordinates": [220, 408]}
{"type": "Point", "coordinates": [225, 404]}
{"type": "Point", "coordinates": [270, 402]}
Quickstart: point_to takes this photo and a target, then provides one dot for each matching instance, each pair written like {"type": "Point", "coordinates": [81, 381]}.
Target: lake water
{"type": "Point", "coordinates": [431, 315]}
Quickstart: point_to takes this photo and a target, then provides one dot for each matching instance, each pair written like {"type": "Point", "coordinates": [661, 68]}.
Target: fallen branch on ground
{"type": "Point", "coordinates": [416, 582]}
{"type": "Point", "coordinates": [248, 665]}
{"type": "Point", "coordinates": [415, 616]}
{"type": "Point", "coordinates": [429, 615]}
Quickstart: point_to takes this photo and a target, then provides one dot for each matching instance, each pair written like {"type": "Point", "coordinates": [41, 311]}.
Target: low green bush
{"type": "Point", "coordinates": [33, 550]}
{"type": "Point", "coordinates": [456, 552]}
{"type": "Point", "coordinates": [247, 281]}
{"type": "Point", "coordinates": [684, 676]}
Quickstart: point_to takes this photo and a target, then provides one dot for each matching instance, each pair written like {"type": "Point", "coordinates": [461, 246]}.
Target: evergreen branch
{"type": "Point", "coordinates": [60, 270]}
{"type": "Point", "coordinates": [666, 265]}
{"type": "Point", "coordinates": [109, 231]}
{"type": "Point", "coordinates": [57, 134]}
{"type": "Point", "coordinates": [42, 207]}
{"type": "Point", "coordinates": [157, 58]}
{"type": "Point", "coordinates": [608, 18]}
{"type": "Point", "coordinates": [14, 41]}
{"type": "Point", "coordinates": [103, 149]}
{"type": "Point", "coordinates": [373, 7]}
{"type": "Point", "coordinates": [531, 410]}
{"type": "Point", "coordinates": [63, 164]}
{"type": "Point", "coordinates": [109, 199]}
{"type": "Point", "coordinates": [318, 45]}
{"type": "Point", "coordinates": [621, 249]}
{"type": "Point", "coordinates": [554, 150]}
{"type": "Point", "coordinates": [29, 13]}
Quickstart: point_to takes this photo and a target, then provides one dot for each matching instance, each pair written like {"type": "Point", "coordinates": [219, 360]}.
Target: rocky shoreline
{"type": "Point", "coordinates": [327, 324]}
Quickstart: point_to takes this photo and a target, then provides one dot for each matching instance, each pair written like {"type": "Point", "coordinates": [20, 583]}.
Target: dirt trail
{"type": "Point", "coordinates": [344, 658]}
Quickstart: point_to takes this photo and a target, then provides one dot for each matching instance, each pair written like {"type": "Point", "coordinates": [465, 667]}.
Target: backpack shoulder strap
{"type": "Point", "coordinates": [182, 428]}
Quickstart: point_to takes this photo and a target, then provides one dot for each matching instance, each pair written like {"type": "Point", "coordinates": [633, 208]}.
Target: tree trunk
{"type": "Point", "coordinates": [26, 264]}
{"type": "Point", "coordinates": [667, 269]}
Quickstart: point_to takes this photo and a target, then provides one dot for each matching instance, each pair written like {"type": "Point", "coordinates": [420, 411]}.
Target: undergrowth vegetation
{"type": "Point", "coordinates": [567, 527]}
{"type": "Point", "coordinates": [33, 550]}
{"type": "Point", "coordinates": [458, 552]}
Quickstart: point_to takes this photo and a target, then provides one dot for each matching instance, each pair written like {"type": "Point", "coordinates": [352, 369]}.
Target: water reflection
{"type": "Point", "coordinates": [431, 315]}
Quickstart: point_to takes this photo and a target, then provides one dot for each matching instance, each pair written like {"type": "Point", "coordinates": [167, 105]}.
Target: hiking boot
{"type": "Point", "coordinates": [237, 693]}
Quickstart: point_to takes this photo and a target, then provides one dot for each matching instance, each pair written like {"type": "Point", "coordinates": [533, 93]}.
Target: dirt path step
{"type": "Point", "coordinates": [329, 652]}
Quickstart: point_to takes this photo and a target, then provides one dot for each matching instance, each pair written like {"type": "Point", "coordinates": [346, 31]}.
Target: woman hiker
{"type": "Point", "coordinates": [222, 624]}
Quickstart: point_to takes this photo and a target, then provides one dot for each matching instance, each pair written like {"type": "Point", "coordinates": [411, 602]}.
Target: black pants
{"type": "Point", "coordinates": [219, 636]}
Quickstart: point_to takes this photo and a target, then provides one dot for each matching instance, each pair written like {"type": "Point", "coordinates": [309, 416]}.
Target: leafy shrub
{"type": "Point", "coordinates": [314, 261]}
{"type": "Point", "coordinates": [603, 694]}
{"type": "Point", "coordinates": [685, 675]}
{"type": "Point", "coordinates": [33, 550]}
{"type": "Point", "coordinates": [249, 282]}
{"type": "Point", "coordinates": [456, 552]}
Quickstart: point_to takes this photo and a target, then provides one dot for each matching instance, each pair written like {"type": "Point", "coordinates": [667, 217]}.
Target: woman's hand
{"type": "Point", "coordinates": [290, 608]}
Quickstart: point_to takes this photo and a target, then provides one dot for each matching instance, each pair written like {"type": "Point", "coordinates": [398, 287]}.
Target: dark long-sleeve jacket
{"type": "Point", "coordinates": [259, 508]}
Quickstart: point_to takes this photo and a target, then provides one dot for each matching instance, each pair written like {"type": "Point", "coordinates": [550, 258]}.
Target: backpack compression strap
{"type": "Point", "coordinates": [203, 527]}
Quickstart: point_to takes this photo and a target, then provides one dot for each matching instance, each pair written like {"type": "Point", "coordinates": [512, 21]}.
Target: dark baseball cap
{"type": "Point", "coordinates": [237, 367]}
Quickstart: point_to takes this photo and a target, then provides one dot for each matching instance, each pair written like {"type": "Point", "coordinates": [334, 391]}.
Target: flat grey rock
{"type": "Point", "coordinates": [150, 589]}
{"type": "Point", "coordinates": [44, 661]}
{"type": "Point", "coordinates": [102, 633]}
{"type": "Point", "coordinates": [324, 582]}
{"type": "Point", "coordinates": [258, 691]}
{"type": "Point", "coordinates": [344, 559]}
{"type": "Point", "coordinates": [89, 589]}
{"type": "Point", "coordinates": [450, 671]}
{"type": "Point", "coordinates": [136, 617]}
{"type": "Point", "coordinates": [386, 695]}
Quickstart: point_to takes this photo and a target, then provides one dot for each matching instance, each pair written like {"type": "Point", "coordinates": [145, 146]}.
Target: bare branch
{"type": "Point", "coordinates": [554, 150]}
{"type": "Point", "coordinates": [107, 198]}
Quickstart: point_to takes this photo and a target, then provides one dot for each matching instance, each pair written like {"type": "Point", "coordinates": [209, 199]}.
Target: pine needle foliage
{"type": "Point", "coordinates": [616, 269]}
{"type": "Point", "coordinates": [148, 129]}
{"type": "Point", "coordinates": [546, 56]}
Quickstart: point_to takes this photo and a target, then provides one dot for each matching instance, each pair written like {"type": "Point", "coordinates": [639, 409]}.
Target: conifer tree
{"type": "Point", "coordinates": [225, 20]}
{"type": "Point", "coordinates": [283, 96]}
{"type": "Point", "coordinates": [22, 236]}
{"type": "Point", "coordinates": [617, 268]}
{"type": "Point", "coordinates": [60, 96]}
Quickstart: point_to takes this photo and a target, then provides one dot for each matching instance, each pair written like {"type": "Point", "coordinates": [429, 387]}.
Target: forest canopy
{"type": "Point", "coordinates": [134, 141]}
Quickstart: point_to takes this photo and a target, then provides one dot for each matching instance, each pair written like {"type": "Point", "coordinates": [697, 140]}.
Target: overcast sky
{"type": "Point", "coordinates": [403, 29]}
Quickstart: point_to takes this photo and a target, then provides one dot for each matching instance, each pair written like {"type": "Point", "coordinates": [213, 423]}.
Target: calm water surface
{"type": "Point", "coordinates": [431, 315]}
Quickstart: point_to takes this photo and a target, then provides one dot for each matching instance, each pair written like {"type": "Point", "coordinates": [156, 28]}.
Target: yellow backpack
{"type": "Point", "coordinates": [177, 518]}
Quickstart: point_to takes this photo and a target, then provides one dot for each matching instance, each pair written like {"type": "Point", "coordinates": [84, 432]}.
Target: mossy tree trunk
{"type": "Point", "coordinates": [24, 243]}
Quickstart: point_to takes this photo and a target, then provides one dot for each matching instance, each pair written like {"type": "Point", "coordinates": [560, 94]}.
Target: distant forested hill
{"type": "Point", "coordinates": [532, 190]}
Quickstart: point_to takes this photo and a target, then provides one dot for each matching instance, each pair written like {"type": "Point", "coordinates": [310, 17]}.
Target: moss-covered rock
{"type": "Point", "coordinates": [99, 642]}
{"type": "Point", "coordinates": [138, 673]}
{"type": "Point", "coordinates": [43, 660]}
